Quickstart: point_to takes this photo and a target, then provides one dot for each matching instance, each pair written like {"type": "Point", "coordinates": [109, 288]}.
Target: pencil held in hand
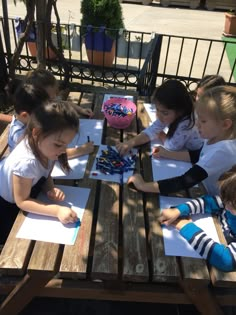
{"type": "Point", "coordinates": [155, 152]}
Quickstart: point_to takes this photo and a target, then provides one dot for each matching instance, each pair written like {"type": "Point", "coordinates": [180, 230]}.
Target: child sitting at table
{"type": "Point", "coordinates": [45, 79]}
{"type": "Point", "coordinates": [219, 255]}
{"type": "Point", "coordinates": [26, 170]}
{"type": "Point", "coordinates": [27, 97]}
{"type": "Point", "coordinates": [216, 121]}
{"type": "Point", "coordinates": [208, 82]}
{"type": "Point", "coordinates": [175, 110]}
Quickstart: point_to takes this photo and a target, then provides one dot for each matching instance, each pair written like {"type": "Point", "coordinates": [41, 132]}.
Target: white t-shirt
{"type": "Point", "coordinates": [216, 159]}
{"type": "Point", "coordinates": [182, 139]}
{"type": "Point", "coordinates": [16, 132]}
{"type": "Point", "coordinates": [22, 162]}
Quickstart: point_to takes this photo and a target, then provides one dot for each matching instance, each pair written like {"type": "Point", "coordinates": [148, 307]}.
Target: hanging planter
{"type": "Point", "coordinates": [20, 26]}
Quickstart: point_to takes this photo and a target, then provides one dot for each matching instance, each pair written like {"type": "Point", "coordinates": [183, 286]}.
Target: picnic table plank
{"type": "Point", "coordinates": [76, 266]}
{"type": "Point", "coordinates": [135, 262]}
{"type": "Point", "coordinates": [44, 259]}
{"type": "Point", "coordinates": [164, 268]}
{"type": "Point", "coordinates": [105, 256]}
{"type": "Point", "coordinates": [16, 252]}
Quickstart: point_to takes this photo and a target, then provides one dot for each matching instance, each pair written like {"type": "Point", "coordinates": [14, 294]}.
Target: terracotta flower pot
{"type": "Point", "coordinates": [100, 48]}
{"type": "Point", "coordinates": [33, 51]}
{"type": "Point", "coordinates": [230, 25]}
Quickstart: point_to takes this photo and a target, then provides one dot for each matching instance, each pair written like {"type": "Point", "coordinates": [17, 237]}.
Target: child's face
{"type": "Point", "coordinates": [55, 144]}
{"type": "Point", "coordinates": [165, 115]}
{"type": "Point", "coordinates": [229, 207]}
{"type": "Point", "coordinates": [209, 128]}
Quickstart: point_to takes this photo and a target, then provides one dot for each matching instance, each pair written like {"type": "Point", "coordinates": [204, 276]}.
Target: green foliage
{"type": "Point", "coordinates": [106, 13]}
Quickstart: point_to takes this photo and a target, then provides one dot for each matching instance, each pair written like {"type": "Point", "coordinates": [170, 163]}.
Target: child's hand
{"type": "Point", "coordinates": [180, 223]}
{"type": "Point", "coordinates": [66, 215]}
{"type": "Point", "coordinates": [137, 181]}
{"type": "Point", "coordinates": [155, 152]}
{"type": "Point", "coordinates": [123, 148]}
{"type": "Point", "coordinates": [168, 216]}
{"type": "Point", "coordinates": [56, 194]}
{"type": "Point", "coordinates": [160, 152]}
{"type": "Point", "coordinates": [87, 148]}
{"type": "Point", "coordinates": [86, 112]}
{"type": "Point", "coordinates": [162, 136]}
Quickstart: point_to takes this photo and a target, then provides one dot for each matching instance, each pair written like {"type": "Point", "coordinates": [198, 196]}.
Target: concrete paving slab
{"type": "Point", "coordinates": [148, 18]}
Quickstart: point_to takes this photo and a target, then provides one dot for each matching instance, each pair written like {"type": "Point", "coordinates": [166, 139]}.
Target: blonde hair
{"type": "Point", "coordinates": [220, 103]}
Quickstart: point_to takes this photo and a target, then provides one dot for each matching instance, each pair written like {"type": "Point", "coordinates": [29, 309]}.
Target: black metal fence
{"type": "Point", "coordinates": [141, 60]}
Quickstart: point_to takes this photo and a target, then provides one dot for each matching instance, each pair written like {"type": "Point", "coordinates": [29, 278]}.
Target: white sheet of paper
{"type": "Point", "coordinates": [88, 127]}
{"type": "Point", "coordinates": [107, 177]}
{"type": "Point", "coordinates": [50, 229]}
{"type": "Point", "coordinates": [174, 243]}
{"type": "Point", "coordinates": [77, 165]}
{"type": "Point", "coordinates": [151, 110]}
{"type": "Point", "coordinates": [165, 168]}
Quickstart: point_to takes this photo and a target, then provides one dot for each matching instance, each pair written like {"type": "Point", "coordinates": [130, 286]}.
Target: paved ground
{"type": "Point", "coordinates": [147, 18]}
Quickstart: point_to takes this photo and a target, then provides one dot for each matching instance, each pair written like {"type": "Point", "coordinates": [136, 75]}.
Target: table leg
{"type": "Point", "coordinates": [22, 294]}
{"type": "Point", "coordinates": [202, 298]}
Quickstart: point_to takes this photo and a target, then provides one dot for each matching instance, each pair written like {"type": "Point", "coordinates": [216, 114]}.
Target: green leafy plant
{"type": "Point", "coordinates": [233, 12]}
{"type": "Point", "coordinates": [106, 13]}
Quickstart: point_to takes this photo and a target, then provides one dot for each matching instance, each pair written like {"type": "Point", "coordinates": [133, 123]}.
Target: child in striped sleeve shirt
{"type": "Point", "coordinates": [221, 256]}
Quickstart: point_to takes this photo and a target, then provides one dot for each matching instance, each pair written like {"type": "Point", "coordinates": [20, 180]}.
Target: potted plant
{"type": "Point", "coordinates": [101, 21]}
{"type": "Point", "coordinates": [230, 23]}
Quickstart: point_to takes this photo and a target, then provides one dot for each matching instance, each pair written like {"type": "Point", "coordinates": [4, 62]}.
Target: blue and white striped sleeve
{"type": "Point", "coordinates": [205, 204]}
{"type": "Point", "coordinates": [218, 255]}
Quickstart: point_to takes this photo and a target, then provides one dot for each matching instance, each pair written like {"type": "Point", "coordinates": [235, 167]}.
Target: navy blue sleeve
{"type": "Point", "coordinates": [193, 176]}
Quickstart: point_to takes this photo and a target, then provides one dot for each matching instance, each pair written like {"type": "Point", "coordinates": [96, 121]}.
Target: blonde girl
{"type": "Point", "coordinates": [216, 122]}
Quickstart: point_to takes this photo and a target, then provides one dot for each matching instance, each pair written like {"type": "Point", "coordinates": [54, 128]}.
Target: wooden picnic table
{"type": "Point", "coordinates": [118, 253]}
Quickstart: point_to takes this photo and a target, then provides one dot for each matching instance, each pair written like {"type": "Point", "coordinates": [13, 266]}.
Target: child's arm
{"type": "Point", "coordinates": [218, 255]}
{"type": "Point", "coordinates": [195, 175]}
{"type": "Point", "coordinates": [123, 148]}
{"type": "Point", "coordinates": [6, 118]}
{"type": "Point", "coordinates": [205, 204]}
{"type": "Point", "coordinates": [161, 152]}
{"type": "Point", "coordinates": [85, 111]}
{"type": "Point", "coordinates": [84, 149]}
{"type": "Point", "coordinates": [21, 191]}
{"type": "Point", "coordinates": [137, 181]}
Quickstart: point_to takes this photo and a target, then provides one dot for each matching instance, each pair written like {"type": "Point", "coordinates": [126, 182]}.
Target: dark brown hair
{"type": "Point", "coordinates": [27, 97]}
{"type": "Point", "coordinates": [227, 184]}
{"type": "Point", "coordinates": [51, 118]}
{"type": "Point", "coordinates": [174, 95]}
